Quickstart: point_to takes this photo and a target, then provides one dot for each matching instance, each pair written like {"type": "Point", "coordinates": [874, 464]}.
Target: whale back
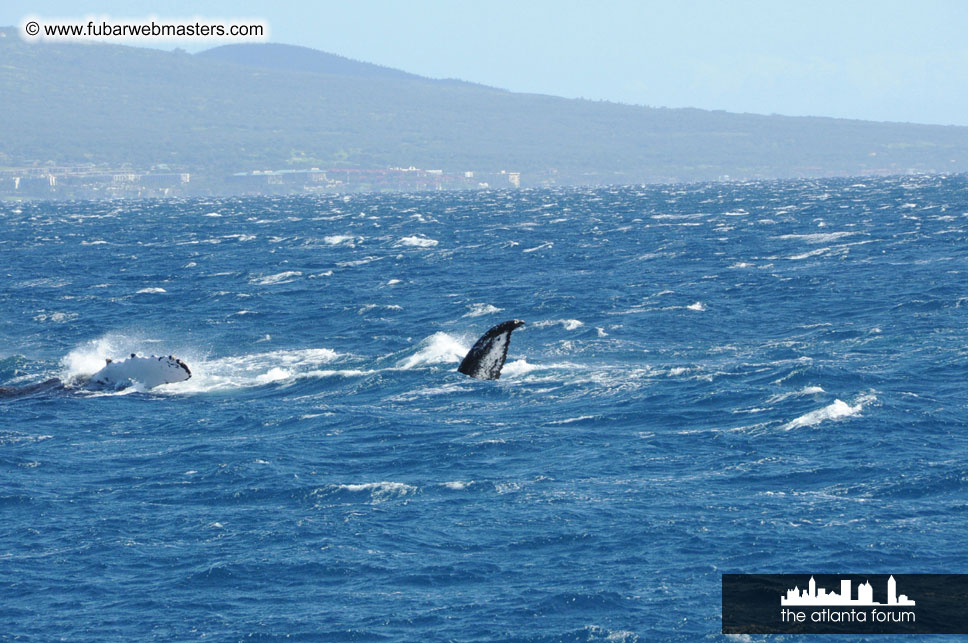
{"type": "Point", "coordinates": [486, 357]}
{"type": "Point", "coordinates": [148, 371]}
{"type": "Point", "coordinates": [46, 386]}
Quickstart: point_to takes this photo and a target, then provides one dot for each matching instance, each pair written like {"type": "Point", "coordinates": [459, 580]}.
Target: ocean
{"type": "Point", "coordinates": [764, 377]}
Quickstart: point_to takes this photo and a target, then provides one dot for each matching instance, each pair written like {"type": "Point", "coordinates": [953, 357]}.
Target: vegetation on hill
{"type": "Point", "coordinates": [246, 107]}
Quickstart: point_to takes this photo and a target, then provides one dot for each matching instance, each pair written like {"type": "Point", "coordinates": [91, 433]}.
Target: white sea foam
{"type": "Point", "coordinates": [278, 278]}
{"type": "Point", "coordinates": [409, 396]}
{"type": "Point", "coordinates": [835, 411]}
{"type": "Point", "coordinates": [806, 390]}
{"type": "Point", "coordinates": [458, 485]}
{"type": "Point", "coordinates": [254, 369]}
{"type": "Point", "coordinates": [368, 307]}
{"type": "Point", "coordinates": [547, 244]}
{"type": "Point", "coordinates": [697, 306]}
{"type": "Point", "coordinates": [676, 217]}
{"type": "Point", "coordinates": [151, 291]}
{"type": "Point", "coordinates": [580, 418]}
{"type": "Point", "coordinates": [417, 241]}
{"type": "Point", "coordinates": [57, 317]}
{"type": "Point", "coordinates": [568, 324]}
{"type": "Point", "coordinates": [337, 239]}
{"type": "Point", "coordinates": [358, 262]}
{"type": "Point", "coordinates": [517, 368]}
{"type": "Point", "coordinates": [439, 348]}
{"type": "Point", "coordinates": [378, 491]}
{"type": "Point", "coordinates": [812, 253]}
{"type": "Point", "coordinates": [820, 237]}
{"type": "Point", "coordinates": [479, 310]}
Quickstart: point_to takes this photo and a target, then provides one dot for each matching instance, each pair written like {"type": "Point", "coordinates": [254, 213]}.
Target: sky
{"type": "Point", "coordinates": [882, 60]}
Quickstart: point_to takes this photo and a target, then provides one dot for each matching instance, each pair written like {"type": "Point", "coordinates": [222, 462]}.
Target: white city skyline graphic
{"type": "Point", "coordinates": [812, 595]}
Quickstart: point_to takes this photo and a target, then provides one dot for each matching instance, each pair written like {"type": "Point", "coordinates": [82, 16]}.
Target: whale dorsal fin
{"type": "Point", "coordinates": [485, 359]}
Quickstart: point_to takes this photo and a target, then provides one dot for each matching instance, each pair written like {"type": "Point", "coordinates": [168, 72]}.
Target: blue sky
{"type": "Point", "coordinates": [884, 60]}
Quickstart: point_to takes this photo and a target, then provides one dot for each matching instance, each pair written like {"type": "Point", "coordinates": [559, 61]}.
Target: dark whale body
{"type": "Point", "coordinates": [485, 359]}
{"type": "Point", "coordinates": [48, 386]}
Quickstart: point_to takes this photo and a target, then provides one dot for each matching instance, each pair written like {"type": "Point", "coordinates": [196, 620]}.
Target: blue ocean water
{"type": "Point", "coordinates": [761, 377]}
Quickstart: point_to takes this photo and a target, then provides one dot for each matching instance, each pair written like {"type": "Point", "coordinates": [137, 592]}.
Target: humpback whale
{"type": "Point", "coordinates": [46, 386]}
{"type": "Point", "coordinates": [148, 371]}
{"type": "Point", "coordinates": [485, 359]}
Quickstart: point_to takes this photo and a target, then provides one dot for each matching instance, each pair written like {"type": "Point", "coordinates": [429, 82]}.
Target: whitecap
{"type": "Point", "coordinates": [418, 242]}
{"type": "Point", "coordinates": [548, 244]}
{"type": "Point", "coordinates": [517, 368]}
{"type": "Point", "coordinates": [57, 318]}
{"type": "Point", "coordinates": [379, 491]}
{"type": "Point", "coordinates": [479, 310]}
{"type": "Point", "coordinates": [697, 306]}
{"type": "Point", "coordinates": [439, 348]}
{"type": "Point", "coordinates": [254, 369]}
{"type": "Point", "coordinates": [812, 253]}
{"type": "Point", "coordinates": [337, 239]}
{"type": "Point", "coordinates": [278, 278]}
{"type": "Point", "coordinates": [358, 262]}
{"type": "Point", "coordinates": [835, 411]}
{"type": "Point", "coordinates": [580, 418]}
{"type": "Point", "coordinates": [806, 390]}
{"type": "Point", "coordinates": [275, 374]}
{"type": "Point", "coordinates": [568, 324]}
{"type": "Point", "coordinates": [151, 291]}
{"type": "Point", "coordinates": [820, 237]}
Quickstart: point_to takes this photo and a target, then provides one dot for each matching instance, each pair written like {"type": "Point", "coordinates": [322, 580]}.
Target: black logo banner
{"type": "Point", "coordinates": [845, 603]}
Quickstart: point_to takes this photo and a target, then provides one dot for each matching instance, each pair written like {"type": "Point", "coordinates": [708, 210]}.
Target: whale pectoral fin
{"type": "Point", "coordinates": [148, 371]}
{"type": "Point", "coordinates": [486, 357]}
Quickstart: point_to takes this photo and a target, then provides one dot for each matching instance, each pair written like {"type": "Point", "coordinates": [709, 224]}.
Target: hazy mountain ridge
{"type": "Point", "coordinates": [244, 107]}
{"type": "Point", "coordinates": [295, 58]}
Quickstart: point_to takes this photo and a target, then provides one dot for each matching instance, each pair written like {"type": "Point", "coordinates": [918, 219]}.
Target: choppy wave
{"type": "Point", "coordinates": [567, 324]}
{"type": "Point", "coordinates": [418, 241]}
{"type": "Point", "coordinates": [439, 348]}
{"type": "Point", "coordinates": [337, 239]}
{"type": "Point", "coordinates": [284, 277]}
{"type": "Point", "coordinates": [837, 410]}
{"type": "Point", "coordinates": [479, 310]}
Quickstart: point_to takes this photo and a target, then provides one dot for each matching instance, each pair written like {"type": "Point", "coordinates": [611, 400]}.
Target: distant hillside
{"type": "Point", "coordinates": [244, 107]}
{"type": "Point", "coordinates": [293, 58]}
